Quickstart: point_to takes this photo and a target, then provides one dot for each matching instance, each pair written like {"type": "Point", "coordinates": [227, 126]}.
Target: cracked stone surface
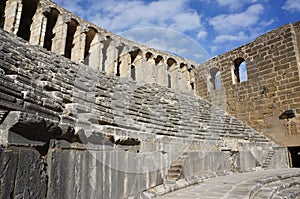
{"type": "Point", "coordinates": [256, 185]}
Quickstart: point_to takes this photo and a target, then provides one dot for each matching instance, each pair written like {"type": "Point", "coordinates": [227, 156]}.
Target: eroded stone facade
{"type": "Point", "coordinates": [272, 87]}
{"type": "Point", "coordinates": [46, 24]}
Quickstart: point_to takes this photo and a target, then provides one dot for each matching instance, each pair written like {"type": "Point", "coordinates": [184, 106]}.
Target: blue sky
{"type": "Point", "coordinates": [194, 29]}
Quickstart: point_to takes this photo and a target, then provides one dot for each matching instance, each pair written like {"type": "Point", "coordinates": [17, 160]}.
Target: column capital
{"type": "Point", "coordinates": [45, 9]}
{"type": "Point", "coordinates": [84, 28]}
{"type": "Point", "coordinates": [66, 17]}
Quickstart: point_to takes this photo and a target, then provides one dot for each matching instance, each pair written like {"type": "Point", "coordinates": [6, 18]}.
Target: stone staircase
{"type": "Point", "coordinates": [266, 163]}
{"type": "Point", "coordinates": [175, 171]}
{"type": "Point", "coordinates": [3, 114]}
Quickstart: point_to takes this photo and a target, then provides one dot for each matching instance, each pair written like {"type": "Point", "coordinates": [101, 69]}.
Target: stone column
{"type": "Point", "coordinates": [13, 11]}
{"type": "Point", "coordinates": [79, 43]}
{"type": "Point", "coordinates": [178, 78]}
{"type": "Point", "coordinates": [162, 75]}
{"type": "Point", "coordinates": [111, 57]}
{"type": "Point", "coordinates": [173, 72]}
{"type": "Point", "coordinates": [149, 70]}
{"type": "Point", "coordinates": [60, 30]}
{"type": "Point", "coordinates": [125, 65]}
{"type": "Point", "coordinates": [192, 80]}
{"type": "Point", "coordinates": [38, 27]}
{"type": "Point", "coordinates": [139, 65]}
{"type": "Point", "coordinates": [184, 79]}
{"type": "Point", "coordinates": [141, 71]}
{"type": "Point", "coordinates": [95, 58]}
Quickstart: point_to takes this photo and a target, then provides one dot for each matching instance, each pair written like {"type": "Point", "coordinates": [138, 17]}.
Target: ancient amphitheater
{"type": "Point", "coordinates": [85, 113]}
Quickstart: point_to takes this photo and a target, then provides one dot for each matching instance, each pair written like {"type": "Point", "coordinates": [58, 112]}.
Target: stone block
{"type": "Point", "coordinates": [8, 169]}
{"type": "Point", "coordinates": [61, 174]}
{"type": "Point", "coordinates": [31, 176]}
{"type": "Point", "coordinates": [245, 161]}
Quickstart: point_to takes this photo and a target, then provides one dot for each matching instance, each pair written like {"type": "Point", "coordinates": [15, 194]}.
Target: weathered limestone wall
{"type": "Point", "coordinates": [273, 85]}
{"type": "Point", "coordinates": [44, 23]}
{"type": "Point", "coordinates": [198, 163]}
{"type": "Point", "coordinates": [68, 131]}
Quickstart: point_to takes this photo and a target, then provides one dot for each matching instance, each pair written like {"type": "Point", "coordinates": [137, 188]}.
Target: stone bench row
{"type": "Point", "coordinates": [55, 86]}
{"type": "Point", "coordinates": [267, 187]}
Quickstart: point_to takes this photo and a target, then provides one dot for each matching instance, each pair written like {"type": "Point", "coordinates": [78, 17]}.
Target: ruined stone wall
{"type": "Point", "coordinates": [68, 131]}
{"type": "Point", "coordinates": [272, 87]}
{"type": "Point", "coordinates": [44, 23]}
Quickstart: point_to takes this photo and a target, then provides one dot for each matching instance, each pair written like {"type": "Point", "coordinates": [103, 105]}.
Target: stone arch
{"type": "Point", "coordinates": [215, 78]}
{"type": "Point", "coordinates": [182, 65]}
{"type": "Point", "coordinates": [158, 59]}
{"type": "Point", "coordinates": [28, 11]}
{"type": "Point", "coordinates": [72, 27]}
{"type": "Point", "coordinates": [136, 71]}
{"type": "Point", "coordinates": [89, 42]}
{"type": "Point", "coordinates": [160, 71]}
{"type": "Point", "coordinates": [106, 44]}
{"type": "Point", "coordinates": [148, 55]}
{"type": "Point", "coordinates": [172, 76]}
{"type": "Point", "coordinates": [2, 13]}
{"type": "Point", "coordinates": [111, 55]}
{"type": "Point", "coordinates": [95, 56]}
{"type": "Point", "coordinates": [134, 54]}
{"type": "Point", "coordinates": [52, 17]}
{"type": "Point", "coordinates": [239, 71]}
{"type": "Point", "coordinates": [184, 77]}
{"type": "Point", "coordinates": [149, 67]}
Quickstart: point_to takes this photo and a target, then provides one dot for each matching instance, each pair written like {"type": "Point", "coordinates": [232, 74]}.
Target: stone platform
{"type": "Point", "coordinates": [280, 183]}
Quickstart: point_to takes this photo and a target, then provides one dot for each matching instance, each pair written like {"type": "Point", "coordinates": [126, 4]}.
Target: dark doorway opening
{"type": "Point", "coordinates": [51, 21]}
{"type": "Point", "coordinates": [132, 72]}
{"type": "Point", "coordinates": [90, 35]}
{"type": "Point", "coordinates": [295, 156]}
{"type": "Point", "coordinates": [72, 27]}
{"type": "Point", "coordinates": [28, 11]}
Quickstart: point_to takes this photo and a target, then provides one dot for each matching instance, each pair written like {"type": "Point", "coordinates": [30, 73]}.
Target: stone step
{"type": "Point", "coordinates": [293, 192]}
{"type": "Point", "coordinates": [173, 170]}
{"type": "Point", "coordinates": [173, 177]}
{"type": "Point", "coordinates": [273, 188]}
{"type": "Point", "coordinates": [268, 159]}
{"type": "Point", "coordinates": [3, 114]}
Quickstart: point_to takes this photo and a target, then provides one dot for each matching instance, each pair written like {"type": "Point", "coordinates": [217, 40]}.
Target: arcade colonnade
{"type": "Point", "coordinates": [44, 23]}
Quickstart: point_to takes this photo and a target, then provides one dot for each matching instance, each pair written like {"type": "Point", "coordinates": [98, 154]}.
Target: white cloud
{"type": "Point", "coordinates": [169, 41]}
{"type": "Point", "coordinates": [214, 49]}
{"type": "Point", "coordinates": [238, 21]}
{"type": "Point", "coordinates": [241, 36]}
{"type": "Point", "coordinates": [118, 15]}
{"type": "Point", "coordinates": [121, 16]}
{"type": "Point", "coordinates": [201, 34]}
{"type": "Point", "coordinates": [233, 5]}
{"type": "Point", "coordinates": [268, 23]}
{"type": "Point", "coordinates": [185, 21]}
{"type": "Point", "coordinates": [72, 6]}
{"type": "Point", "coordinates": [292, 6]}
